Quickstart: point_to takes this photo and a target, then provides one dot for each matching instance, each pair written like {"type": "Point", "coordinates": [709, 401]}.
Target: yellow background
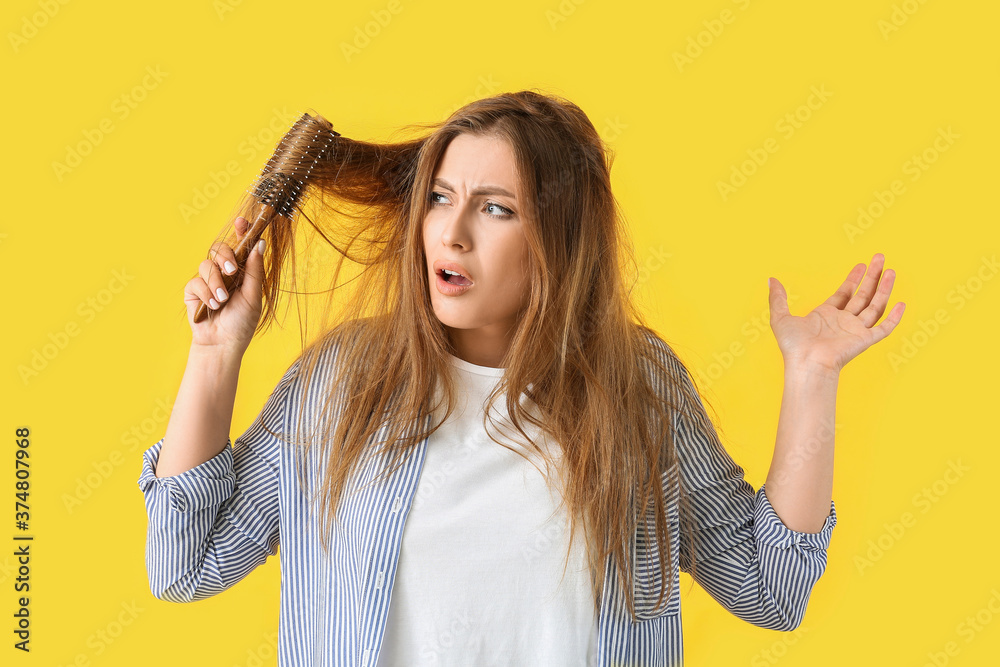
{"type": "Point", "coordinates": [896, 74]}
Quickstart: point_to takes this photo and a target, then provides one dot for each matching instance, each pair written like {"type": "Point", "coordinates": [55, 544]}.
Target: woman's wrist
{"type": "Point", "coordinates": [221, 358]}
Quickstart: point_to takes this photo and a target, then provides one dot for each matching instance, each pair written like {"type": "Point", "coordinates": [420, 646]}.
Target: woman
{"type": "Point", "coordinates": [411, 533]}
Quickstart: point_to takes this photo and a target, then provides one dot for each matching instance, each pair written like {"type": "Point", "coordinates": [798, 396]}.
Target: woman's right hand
{"type": "Point", "coordinates": [230, 327]}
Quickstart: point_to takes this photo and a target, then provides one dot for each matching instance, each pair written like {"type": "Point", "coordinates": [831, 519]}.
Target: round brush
{"type": "Point", "coordinates": [279, 189]}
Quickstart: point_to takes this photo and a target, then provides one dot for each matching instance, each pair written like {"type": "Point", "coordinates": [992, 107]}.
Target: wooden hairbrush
{"type": "Point", "coordinates": [279, 189]}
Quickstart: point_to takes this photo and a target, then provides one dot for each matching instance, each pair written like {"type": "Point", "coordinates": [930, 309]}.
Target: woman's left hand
{"type": "Point", "coordinates": [840, 328]}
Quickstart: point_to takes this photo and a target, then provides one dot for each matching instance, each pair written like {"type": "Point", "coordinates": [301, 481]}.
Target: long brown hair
{"type": "Point", "coordinates": [605, 385]}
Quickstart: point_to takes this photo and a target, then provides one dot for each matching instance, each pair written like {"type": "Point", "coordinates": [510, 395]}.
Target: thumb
{"type": "Point", "coordinates": [252, 286]}
{"type": "Point", "coordinates": [777, 299]}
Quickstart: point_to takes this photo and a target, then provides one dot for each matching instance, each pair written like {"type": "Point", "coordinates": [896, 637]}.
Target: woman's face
{"type": "Point", "coordinates": [473, 226]}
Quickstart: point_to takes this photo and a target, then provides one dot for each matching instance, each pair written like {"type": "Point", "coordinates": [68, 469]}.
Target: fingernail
{"type": "Point", "coordinates": [213, 303]}
{"type": "Point", "coordinates": [221, 293]}
{"type": "Point", "coordinates": [260, 246]}
{"type": "Point", "coordinates": [229, 267]}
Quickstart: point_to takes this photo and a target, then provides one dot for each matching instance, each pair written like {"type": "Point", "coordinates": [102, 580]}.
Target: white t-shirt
{"type": "Point", "coordinates": [478, 579]}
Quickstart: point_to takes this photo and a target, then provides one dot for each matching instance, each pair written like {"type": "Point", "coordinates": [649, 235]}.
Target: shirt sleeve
{"type": "Point", "coordinates": [746, 558]}
{"type": "Point", "coordinates": [209, 526]}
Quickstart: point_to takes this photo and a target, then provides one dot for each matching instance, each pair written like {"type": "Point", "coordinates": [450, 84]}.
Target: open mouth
{"type": "Point", "coordinates": [454, 278]}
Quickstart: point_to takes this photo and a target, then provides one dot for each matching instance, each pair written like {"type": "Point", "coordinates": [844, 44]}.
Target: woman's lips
{"type": "Point", "coordinates": [450, 289]}
{"type": "Point", "coordinates": [442, 264]}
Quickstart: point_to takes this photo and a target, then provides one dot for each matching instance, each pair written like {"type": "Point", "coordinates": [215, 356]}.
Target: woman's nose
{"type": "Point", "coordinates": [456, 227]}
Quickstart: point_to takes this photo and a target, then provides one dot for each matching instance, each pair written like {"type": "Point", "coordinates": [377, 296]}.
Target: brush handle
{"type": "Point", "coordinates": [242, 250]}
{"type": "Point", "coordinates": [279, 189]}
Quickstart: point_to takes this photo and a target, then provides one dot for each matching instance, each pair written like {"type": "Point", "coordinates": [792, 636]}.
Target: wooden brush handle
{"type": "Point", "coordinates": [242, 250]}
{"type": "Point", "coordinates": [279, 189]}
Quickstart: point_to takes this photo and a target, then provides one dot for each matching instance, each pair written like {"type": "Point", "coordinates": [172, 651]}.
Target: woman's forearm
{"type": "Point", "coordinates": [800, 480]}
{"type": "Point", "coordinates": [203, 412]}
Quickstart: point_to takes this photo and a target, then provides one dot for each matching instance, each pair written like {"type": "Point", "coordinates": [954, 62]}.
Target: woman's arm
{"type": "Point", "coordinates": [200, 419]}
{"type": "Point", "coordinates": [212, 524]}
{"type": "Point", "coordinates": [800, 480]}
{"type": "Point", "coordinates": [815, 348]}
{"type": "Point", "coordinates": [745, 556]}
{"type": "Point", "coordinates": [759, 565]}
{"type": "Point", "coordinates": [203, 411]}
{"type": "Point", "coordinates": [213, 504]}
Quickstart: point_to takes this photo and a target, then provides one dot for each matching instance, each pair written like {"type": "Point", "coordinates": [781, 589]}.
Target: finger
{"type": "Point", "coordinates": [873, 312]}
{"type": "Point", "coordinates": [196, 292]}
{"type": "Point", "coordinates": [225, 258]}
{"type": "Point", "coordinates": [777, 299]}
{"type": "Point", "coordinates": [212, 275]}
{"type": "Point", "coordinates": [884, 329]}
{"type": "Point", "coordinates": [241, 224]}
{"type": "Point", "coordinates": [860, 300]}
{"type": "Point", "coordinates": [252, 288]}
{"type": "Point", "coordinates": [843, 294]}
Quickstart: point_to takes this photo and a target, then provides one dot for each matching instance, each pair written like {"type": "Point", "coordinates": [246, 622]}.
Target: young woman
{"type": "Point", "coordinates": [491, 459]}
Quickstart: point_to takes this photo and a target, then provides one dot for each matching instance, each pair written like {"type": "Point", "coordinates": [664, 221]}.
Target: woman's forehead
{"type": "Point", "coordinates": [474, 162]}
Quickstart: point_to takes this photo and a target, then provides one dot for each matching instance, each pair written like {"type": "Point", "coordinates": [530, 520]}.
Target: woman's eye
{"type": "Point", "coordinates": [504, 211]}
{"type": "Point", "coordinates": [432, 197]}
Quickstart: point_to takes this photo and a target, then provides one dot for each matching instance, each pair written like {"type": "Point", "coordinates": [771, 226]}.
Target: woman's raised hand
{"type": "Point", "coordinates": [843, 326]}
{"type": "Point", "coordinates": [232, 327]}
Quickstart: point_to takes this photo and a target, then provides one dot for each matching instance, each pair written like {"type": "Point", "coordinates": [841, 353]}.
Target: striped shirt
{"type": "Point", "coordinates": [211, 525]}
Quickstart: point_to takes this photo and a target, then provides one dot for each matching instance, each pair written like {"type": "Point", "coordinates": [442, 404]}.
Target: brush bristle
{"type": "Point", "coordinates": [282, 181]}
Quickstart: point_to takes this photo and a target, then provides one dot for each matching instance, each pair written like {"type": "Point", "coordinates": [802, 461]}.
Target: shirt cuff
{"type": "Point", "coordinates": [208, 484]}
{"type": "Point", "coordinates": [770, 530]}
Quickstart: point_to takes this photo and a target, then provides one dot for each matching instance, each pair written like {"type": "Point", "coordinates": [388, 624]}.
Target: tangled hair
{"type": "Point", "coordinates": [604, 385]}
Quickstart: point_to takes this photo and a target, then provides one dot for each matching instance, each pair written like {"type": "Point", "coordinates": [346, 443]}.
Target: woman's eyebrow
{"type": "Point", "coordinates": [481, 190]}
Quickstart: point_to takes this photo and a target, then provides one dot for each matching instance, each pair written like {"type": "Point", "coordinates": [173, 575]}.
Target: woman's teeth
{"type": "Point", "coordinates": [455, 278]}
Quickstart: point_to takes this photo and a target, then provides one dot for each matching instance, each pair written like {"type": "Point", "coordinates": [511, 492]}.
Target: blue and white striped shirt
{"type": "Point", "coordinates": [211, 525]}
